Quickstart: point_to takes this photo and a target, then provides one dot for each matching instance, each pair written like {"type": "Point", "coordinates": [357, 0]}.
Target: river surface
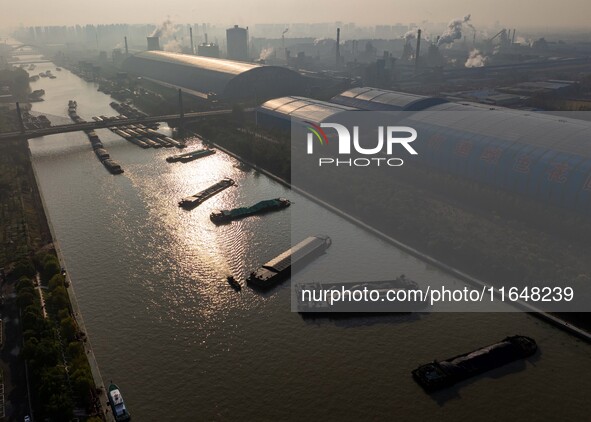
{"type": "Point", "coordinates": [182, 345]}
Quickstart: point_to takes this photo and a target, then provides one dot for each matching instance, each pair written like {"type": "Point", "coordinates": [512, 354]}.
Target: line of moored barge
{"type": "Point", "coordinates": [95, 141]}
{"type": "Point", "coordinates": [141, 135]}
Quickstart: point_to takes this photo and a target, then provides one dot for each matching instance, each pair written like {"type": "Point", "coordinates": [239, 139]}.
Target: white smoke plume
{"type": "Point", "coordinates": [476, 59]}
{"type": "Point", "coordinates": [410, 35]}
{"type": "Point", "coordinates": [166, 29]}
{"type": "Point", "coordinates": [266, 53]}
{"type": "Point", "coordinates": [323, 41]}
{"type": "Point", "coordinates": [173, 46]}
{"type": "Point", "coordinates": [454, 30]}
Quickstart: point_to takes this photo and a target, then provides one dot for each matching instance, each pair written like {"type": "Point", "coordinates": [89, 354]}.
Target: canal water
{"type": "Point", "coordinates": [183, 345]}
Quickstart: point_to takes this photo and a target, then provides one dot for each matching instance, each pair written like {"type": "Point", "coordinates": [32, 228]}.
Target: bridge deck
{"type": "Point", "coordinates": [74, 127]}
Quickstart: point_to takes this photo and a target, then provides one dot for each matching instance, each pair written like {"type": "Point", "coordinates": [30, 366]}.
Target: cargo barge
{"type": "Point", "coordinates": [269, 205]}
{"type": "Point", "coordinates": [190, 156]}
{"type": "Point", "coordinates": [112, 166]}
{"type": "Point", "coordinates": [191, 202]}
{"type": "Point", "coordinates": [321, 290]}
{"type": "Point", "coordinates": [279, 267]}
{"type": "Point", "coordinates": [437, 375]}
{"type": "Point", "coordinates": [97, 146]}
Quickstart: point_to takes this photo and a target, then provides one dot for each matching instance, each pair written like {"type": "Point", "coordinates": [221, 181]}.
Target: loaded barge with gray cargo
{"type": "Point", "coordinates": [440, 374]}
{"type": "Point", "coordinates": [279, 267]}
{"type": "Point", "coordinates": [190, 156]}
{"type": "Point", "coordinates": [191, 202]}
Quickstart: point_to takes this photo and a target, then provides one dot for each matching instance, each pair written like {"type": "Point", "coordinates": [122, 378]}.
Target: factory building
{"type": "Point", "coordinates": [208, 50]}
{"type": "Point", "coordinates": [154, 44]}
{"type": "Point", "coordinates": [379, 99]}
{"type": "Point", "coordinates": [237, 43]}
{"type": "Point", "coordinates": [539, 156]}
{"type": "Point", "coordinates": [278, 113]}
{"type": "Point", "coordinates": [225, 79]}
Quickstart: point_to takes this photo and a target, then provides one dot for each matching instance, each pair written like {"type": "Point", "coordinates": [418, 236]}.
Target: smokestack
{"type": "Point", "coordinates": [418, 51]}
{"type": "Point", "coordinates": [206, 38]}
{"type": "Point", "coordinates": [153, 43]}
{"type": "Point", "coordinates": [338, 46]}
{"type": "Point", "coordinates": [126, 48]}
{"type": "Point", "coordinates": [513, 38]}
{"type": "Point", "coordinates": [191, 36]}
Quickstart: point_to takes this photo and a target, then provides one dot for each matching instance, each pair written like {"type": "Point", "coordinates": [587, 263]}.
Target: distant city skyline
{"type": "Point", "coordinates": [523, 13]}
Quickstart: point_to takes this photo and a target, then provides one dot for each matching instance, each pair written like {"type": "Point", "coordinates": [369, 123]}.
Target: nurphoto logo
{"type": "Point", "coordinates": [387, 138]}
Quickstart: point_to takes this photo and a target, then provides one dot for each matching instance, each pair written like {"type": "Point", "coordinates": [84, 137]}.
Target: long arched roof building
{"type": "Point", "coordinates": [279, 112]}
{"type": "Point", "coordinates": [379, 99]}
{"type": "Point", "coordinates": [227, 79]}
{"type": "Point", "coordinates": [540, 156]}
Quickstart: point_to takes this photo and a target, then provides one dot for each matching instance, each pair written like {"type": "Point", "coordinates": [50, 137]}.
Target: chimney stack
{"type": "Point", "coordinates": [338, 52]}
{"type": "Point", "coordinates": [206, 38]}
{"type": "Point", "coordinates": [126, 48]}
{"type": "Point", "coordinates": [191, 36]}
{"type": "Point", "coordinates": [153, 43]}
{"type": "Point", "coordinates": [418, 51]}
{"type": "Point", "coordinates": [513, 38]}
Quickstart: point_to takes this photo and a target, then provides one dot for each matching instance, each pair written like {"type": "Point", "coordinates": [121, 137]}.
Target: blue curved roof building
{"type": "Point", "coordinates": [536, 155]}
{"type": "Point", "coordinates": [380, 99]}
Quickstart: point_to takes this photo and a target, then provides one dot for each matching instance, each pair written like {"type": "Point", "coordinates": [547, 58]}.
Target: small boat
{"type": "Point", "coordinates": [120, 412]}
{"type": "Point", "coordinates": [234, 283]}
{"type": "Point", "coordinates": [38, 93]}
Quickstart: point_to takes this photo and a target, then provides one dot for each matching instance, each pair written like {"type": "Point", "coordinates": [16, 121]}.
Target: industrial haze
{"type": "Point", "coordinates": [524, 13]}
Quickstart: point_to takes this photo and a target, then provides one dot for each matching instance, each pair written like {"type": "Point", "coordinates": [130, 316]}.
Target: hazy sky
{"type": "Point", "coordinates": [525, 13]}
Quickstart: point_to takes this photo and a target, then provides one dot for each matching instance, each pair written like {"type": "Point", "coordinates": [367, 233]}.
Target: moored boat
{"type": "Point", "coordinates": [120, 412]}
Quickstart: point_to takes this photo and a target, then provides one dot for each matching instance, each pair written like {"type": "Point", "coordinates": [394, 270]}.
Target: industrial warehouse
{"type": "Point", "coordinates": [540, 156]}
{"type": "Point", "coordinates": [215, 78]}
